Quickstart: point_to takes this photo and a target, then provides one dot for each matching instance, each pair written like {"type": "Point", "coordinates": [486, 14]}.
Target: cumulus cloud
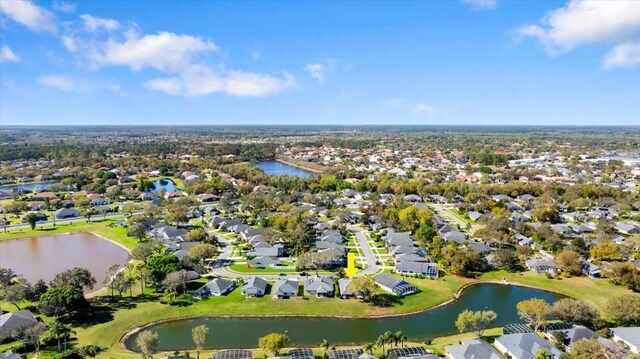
{"type": "Point", "coordinates": [164, 51]}
{"type": "Point", "coordinates": [60, 82]}
{"type": "Point", "coordinates": [201, 80]}
{"type": "Point", "coordinates": [585, 22]}
{"type": "Point", "coordinates": [25, 12]}
{"type": "Point", "coordinates": [481, 4]}
{"type": "Point", "coordinates": [94, 24]}
{"type": "Point", "coordinates": [320, 70]}
{"type": "Point", "coordinates": [64, 7]}
{"type": "Point", "coordinates": [7, 55]}
{"type": "Point", "coordinates": [181, 57]}
{"type": "Point", "coordinates": [623, 55]}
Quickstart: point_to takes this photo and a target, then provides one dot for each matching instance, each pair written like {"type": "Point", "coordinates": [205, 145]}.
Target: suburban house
{"type": "Point", "coordinates": [12, 322]}
{"type": "Point", "coordinates": [629, 336]}
{"type": "Point", "coordinates": [215, 287]}
{"type": "Point", "coordinates": [319, 286]}
{"type": "Point", "coordinates": [285, 289]}
{"type": "Point", "coordinates": [472, 349]}
{"type": "Point", "coordinates": [591, 270]}
{"type": "Point", "coordinates": [417, 268]}
{"type": "Point", "coordinates": [542, 265]}
{"type": "Point", "coordinates": [63, 213]}
{"type": "Point", "coordinates": [410, 353]}
{"type": "Point", "coordinates": [574, 334]}
{"type": "Point", "coordinates": [10, 354]}
{"type": "Point", "coordinates": [524, 346]}
{"type": "Point", "coordinates": [255, 287]}
{"type": "Point", "coordinates": [345, 291]}
{"type": "Point", "coordinates": [394, 285]}
{"type": "Point", "coordinates": [344, 353]}
{"type": "Point", "coordinates": [627, 228]}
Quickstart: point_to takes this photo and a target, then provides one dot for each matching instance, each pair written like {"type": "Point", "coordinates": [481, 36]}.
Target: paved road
{"type": "Point", "coordinates": [372, 266]}
{"type": "Point", "coordinates": [220, 266]}
{"type": "Point", "coordinates": [442, 211]}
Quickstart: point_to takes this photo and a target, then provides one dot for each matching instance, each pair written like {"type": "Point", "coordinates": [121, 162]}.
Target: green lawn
{"type": "Point", "coordinates": [460, 215]}
{"type": "Point", "coordinates": [97, 226]}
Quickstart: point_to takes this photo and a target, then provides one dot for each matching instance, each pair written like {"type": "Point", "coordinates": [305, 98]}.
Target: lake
{"type": "Point", "coordinates": [166, 184]}
{"type": "Point", "coordinates": [275, 168]}
{"type": "Point", "coordinates": [43, 257]}
{"type": "Point", "coordinates": [27, 186]}
{"type": "Point", "coordinates": [244, 332]}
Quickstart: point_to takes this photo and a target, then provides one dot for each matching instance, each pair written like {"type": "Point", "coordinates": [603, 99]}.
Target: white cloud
{"type": "Point", "coordinates": [201, 80]}
{"type": "Point", "coordinates": [481, 4]}
{"type": "Point", "coordinates": [423, 110]}
{"type": "Point", "coordinates": [25, 12]}
{"type": "Point", "coordinates": [584, 22]}
{"type": "Point", "coordinates": [60, 82]}
{"type": "Point", "coordinates": [623, 55]}
{"type": "Point", "coordinates": [316, 71]}
{"type": "Point", "coordinates": [320, 70]}
{"type": "Point", "coordinates": [394, 101]}
{"type": "Point", "coordinates": [65, 7]}
{"type": "Point", "coordinates": [164, 51]}
{"type": "Point", "coordinates": [69, 42]}
{"type": "Point", "coordinates": [94, 24]}
{"type": "Point", "coordinates": [7, 55]}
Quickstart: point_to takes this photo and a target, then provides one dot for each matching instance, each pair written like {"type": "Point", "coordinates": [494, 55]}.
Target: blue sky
{"type": "Point", "coordinates": [353, 63]}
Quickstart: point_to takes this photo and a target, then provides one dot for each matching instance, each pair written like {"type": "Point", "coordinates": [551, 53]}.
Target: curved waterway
{"type": "Point", "coordinates": [243, 332]}
{"type": "Point", "coordinates": [43, 257]}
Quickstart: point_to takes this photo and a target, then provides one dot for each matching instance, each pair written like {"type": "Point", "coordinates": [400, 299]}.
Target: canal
{"type": "Point", "coordinates": [243, 332]}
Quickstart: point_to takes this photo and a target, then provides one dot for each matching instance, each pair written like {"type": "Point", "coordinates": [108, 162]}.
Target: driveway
{"type": "Point", "coordinates": [372, 266]}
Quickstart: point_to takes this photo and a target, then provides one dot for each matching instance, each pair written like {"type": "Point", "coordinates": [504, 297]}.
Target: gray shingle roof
{"type": "Point", "coordinates": [473, 349]}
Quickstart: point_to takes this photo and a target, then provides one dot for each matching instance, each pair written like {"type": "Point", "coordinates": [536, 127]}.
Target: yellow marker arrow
{"type": "Point", "coordinates": [351, 265]}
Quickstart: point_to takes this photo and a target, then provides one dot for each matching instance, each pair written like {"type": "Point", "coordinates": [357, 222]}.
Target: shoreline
{"type": "Point", "coordinates": [456, 295]}
{"type": "Point", "coordinates": [293, 164]}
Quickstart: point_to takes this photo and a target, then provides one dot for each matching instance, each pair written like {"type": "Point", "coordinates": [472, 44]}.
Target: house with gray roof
{"type": "Point", "coordinates": [542, 265]}
{"type": "Point", "coordinates": [255, 287]}
{"type": "Point", "coordinates": [472, 349]}
{"type": "Point", "coordinates": [524, 346]}
{"type": "Point", "coordinates": [417, 268]}
{"type": "Point", "coordinates": [629, 336]}
{"type": "Point", "coordinates": [10, 354]}
{"type": "Point", "coordinates": [11, 322]}
{"type": "Point", "coordinates": [319, 286]}
{"type": "Point", "coordinates": [217, 287]}
{"type": "Point", "coordinates": [573, 334]}
{"type": "Point", "coordinates": [284, 289]}
{"type": "Point", "coordinates": [394, 285]}
{"type": "Point", "coordinates": [473, 215]}
{"type": "Point", "coordinates": [627, 228]}
{"type": "Point", "coordinates": [591, 270]}
{"type": "Point", "coordinates": [63, 213]}
{"type": "Point", "coordinates": [345, 291]}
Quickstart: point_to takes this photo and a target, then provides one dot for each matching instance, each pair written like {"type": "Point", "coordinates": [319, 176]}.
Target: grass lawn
{"type": "Point", "coordinates": [593, 291]}
{"type": "Point", "coordinates": [460, 215]}
{"type": "Point", "coordinates": [98, 226]}
{"type": "Point", "coordinates": [243, 268]}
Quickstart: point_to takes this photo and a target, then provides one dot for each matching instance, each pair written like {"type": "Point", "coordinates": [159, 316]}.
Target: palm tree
{"type": "Point", "coordinates": [369, 348]}
{"type": "Point", "coordinates": [325, 345]}
{"type": "Point", "coordinates": [400, 337]}
{"type": "Point", "coordinates": [383, 340]}
{"type": "Point", "coordinates": [61, 331]}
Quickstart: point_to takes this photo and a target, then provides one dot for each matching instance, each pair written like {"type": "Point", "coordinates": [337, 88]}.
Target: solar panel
{"type": "Point", "coordinates": [406, 352]}
{"type": "Point", "coordinates": [233, 354]}
{"type": "Point", "coordinates": [301, 353]}
{"type": "Point", "coordinates": [516, 329]}
{"type": "Point", "coordinates": [344, 354]}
